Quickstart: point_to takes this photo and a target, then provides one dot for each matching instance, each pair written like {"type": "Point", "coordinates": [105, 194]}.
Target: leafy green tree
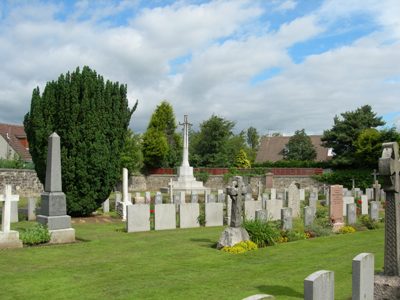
{"type": "Point", "coordinates": [211, 144]}
{"type": "Point", "coordinates": [369, 145]}
{"type": "Point", "coordinates": [91, 117]}
{"type": "Point", "coordinates": [346, 130]}
{"type": "Point", "coordinates": [162, 121]}
{"type": "Point", "coordinates": [131, 155]}
{"type": "Point", "coordinates": [300, 147]}
{"type": "Point", "coordinates": [241, 160]}
{"type": "Point", "coordinates": [253, 138]}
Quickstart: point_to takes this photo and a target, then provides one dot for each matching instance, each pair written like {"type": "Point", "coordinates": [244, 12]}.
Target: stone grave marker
{"type": "Point", "coordinates": [261, 215]}
{"type": "Point", "coordinates": [53, 211]}
{"type": "Point", "coordinates": [286, 218]}
{"type": "Point", "coordinates": [31, 208]}
{"type": "Point", "coordinates": [273, 208]}
{"type": "Point", "coordinates": [369, 193]}
{"type": "Point", "coordinates": [279, 195]}
{"type": "Point", "coordinates": [14, 212]}
{"type": "Point", "coordinates": [336, 206]}
{"type": "Point", "coordinates": [294, 199]}
{"type": "Point", "coordinates": [302, 194]}
{"type": "Point", "coordinates": [194, 197]}
{"type": "Point", "coordinates": [211, 198]}
{"type": "Point", "coordinates": [189, 214]}
{"type": "Point", "coordinates": [374, 210]}
{"type": "Point", "coordinates": [308, 216]}
{"type": "Point", "coordinates": [164, 216]}
{"type": "Point", "coordinates": [351, 216]}
{"type": "Point", "coordinates": [363, 277]}
{"type": "Point", "coordinates": [8, 238]}
{"type": "Point", "coordinates": [320, 285]}
{"type": "Point", "coordinates": [250, 208]}
{"type": "Point", "coordinates": [138, 217]}
{"type": "Point", "coordinates": [182, 196]}
{"type": "Point", "coordinates": [221, 197]}
{"type": "Point", "coordinates": [273, 193]}
{"type": "Point", "coordinates": [264, 200]}
{"type": "Point", "coordinates": [259, 186]}
{"type": "Point", "coordinates": [312, 203]}
{"type": "Point", "coordinates": [364, 205]}
{"type": "Point", "coordinates": [214, 214]}
{"type": "Point", "coordinates": [347, 200]}
{"type": "Point", "coordinates": [248, 197]}
{"type": "Point", "coordinates": [147, 197]}
{"type": "Point", "coordinates": [158, 198]}
{"type": "Point", "coordinates": [106, 206]}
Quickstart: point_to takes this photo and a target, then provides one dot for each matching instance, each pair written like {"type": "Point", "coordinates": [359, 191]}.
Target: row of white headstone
{"type": "Point", "coordinates": [165, 216]}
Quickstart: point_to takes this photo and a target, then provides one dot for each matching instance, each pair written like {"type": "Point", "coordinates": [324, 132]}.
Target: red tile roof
{"type": "Point", "coordinates": [271, 148]}
{"type": "Point", "coordinates": [16, 137]}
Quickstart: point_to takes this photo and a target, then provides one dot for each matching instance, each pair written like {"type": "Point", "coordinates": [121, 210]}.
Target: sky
{"type": "Point", "coordinates": [276, 65]}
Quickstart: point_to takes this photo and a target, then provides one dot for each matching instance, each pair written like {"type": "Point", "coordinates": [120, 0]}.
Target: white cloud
{"type": "Point", "coordinates": [287, 5]}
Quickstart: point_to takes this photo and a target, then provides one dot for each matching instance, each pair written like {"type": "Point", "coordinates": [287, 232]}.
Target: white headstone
{"type": "Point", "coordinates": [164, 216]}
{"type": "Point", "coordinates": [347, 200]}
{"type": "Point", "coordinates": [138, 217]}
{"type": "Point", "coordinates": [106, 206]}
{"type": "Point", "coordinates": [320, 285]}
{"type": "Point", "coordinates": [273, 193]}
{"type": "Point", "coordinates": [31, 208]}
{"type": "Point", "coordinates": [214, 214]}
{"type": "Point", "coordinates": [294, 199]}
{"type": "Point", "coordinates": [250, 208]}
{"type": "Point", "coordinates": [364, 204]}
{"type": "Point", "coordinates": [363, 277]}
{"type": "Point", "coordinates": [189, 215]}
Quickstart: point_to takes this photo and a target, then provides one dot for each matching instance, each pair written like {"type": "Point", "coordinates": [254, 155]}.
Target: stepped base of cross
{"type": "Point", "coordinates": [231, 236]}
{"type": "Point", "coordinates": [386, 287]}
{"type": "Point", "coordinates": [10, 240]}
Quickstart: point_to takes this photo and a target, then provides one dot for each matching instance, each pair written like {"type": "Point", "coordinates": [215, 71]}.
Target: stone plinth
{"type": "Point", "coordinates": [62, 236]}
{"type": "Point", "coordinates": [10, 240]}
{"type": "Point", "coordinates": [231, 236]}
{"type": "Point", "coordinates": [386, 287]}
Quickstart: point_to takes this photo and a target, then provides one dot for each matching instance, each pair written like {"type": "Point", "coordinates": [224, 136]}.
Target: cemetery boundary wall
{"type": "Point", "coordinates": [26, 183]}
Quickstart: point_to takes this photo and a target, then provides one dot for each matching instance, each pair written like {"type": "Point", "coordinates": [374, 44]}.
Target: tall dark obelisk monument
{"type": "Point", "coordinates": [53, 212]}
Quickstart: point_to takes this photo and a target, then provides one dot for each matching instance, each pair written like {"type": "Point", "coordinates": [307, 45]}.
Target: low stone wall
{"type": "Point", "coordinates": [24, 182]}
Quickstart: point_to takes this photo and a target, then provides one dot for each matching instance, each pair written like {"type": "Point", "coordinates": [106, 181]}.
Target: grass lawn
{"type": "Point", "coordinates": [108, 263]}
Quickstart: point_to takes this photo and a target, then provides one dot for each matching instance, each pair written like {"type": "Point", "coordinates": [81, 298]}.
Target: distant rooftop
{"type": "Point", "coordinates": [16, 137]}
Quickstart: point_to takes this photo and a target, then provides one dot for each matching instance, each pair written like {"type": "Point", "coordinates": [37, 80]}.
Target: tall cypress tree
{"type": "Point", "coordinates": [92, 117]}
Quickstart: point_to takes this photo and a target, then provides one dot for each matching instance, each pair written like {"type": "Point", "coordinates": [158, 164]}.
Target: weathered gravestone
{"type": "Point", "coordinates": [235, 233]}
{"type": "Point", "coordinates": [336, 206]}
{"type": "Point", "coordinates": [308, 216]}
{"type": "Point", "coordinates": [250, 208]}
{"type": "Point", "coordinates": [351, 216]}
{"type": "Point", "coordinates": [14, 212]}
{"type": "Point", "coordinates": [294, 199]}
{"type": "Point", "coordinates": [31, 208]}
{"type": "Point", "coordinates": [389, 168]}
{"type": "Point", "coordinates": [53, 212]}
{"type": "Point", "coordinates": [364, 205]}
{"type": "Point", "coordinates": [106, 206]}
{"type": "Point", "coordinates": [273, 193]}
{"type": "Point", "coordinates": [261, 215]}
{"type": "Point", "coordinates": [363, 277]}
{"type": "Point", "coordinates": [320, 285]}
{"type": "Point", "coordinates": [273, 208]}
{"type": "Point", "coordinates": [214, 214]}
{"type": "Point", "coordinates": [347, 200]}
{"type": "Point", "coordinates": [8, 238]}
{"type": "Point", "coordinates": [374, 210]}
{"type": "Point", "coordinates": [286, 218]}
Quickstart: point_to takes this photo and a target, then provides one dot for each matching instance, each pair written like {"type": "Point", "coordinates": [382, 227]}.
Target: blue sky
{"type": "Point", "coordinates": [277, 65]}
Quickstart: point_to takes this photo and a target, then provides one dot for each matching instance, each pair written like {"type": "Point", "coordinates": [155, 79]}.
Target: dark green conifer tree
{"type": "Point", "coordinates": [91, 117]}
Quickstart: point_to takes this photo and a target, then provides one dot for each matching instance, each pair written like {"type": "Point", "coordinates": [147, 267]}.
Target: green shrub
{"type": "Point", "coordinates": [362, 177]}
{"type": "Point", "coordinates": [201, 176]}
{"type": "Point", "coordinates": [240, 247]}
{"type": "Point", "coordinates": [292, 235]}
{"type": "Point", "coordinates": [316, 230]}
{"type": "Point", "coordinates": [262, 233]}
{"type": "Point", "coordinates": [35, 235]}
{"type": "Point", "coordinates": [201, 219]}
{"type": "Point", "coordinates": [367, 222]}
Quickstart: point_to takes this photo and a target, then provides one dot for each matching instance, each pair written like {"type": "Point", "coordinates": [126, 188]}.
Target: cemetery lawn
{"type": "Point", "coordinates": [108, 263]}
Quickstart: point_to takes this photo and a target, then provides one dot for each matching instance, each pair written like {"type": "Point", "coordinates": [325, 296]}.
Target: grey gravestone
{"type": "Point", "coordinates": [286, 218]}
{"type": "Point", "coordinates": [264, 200]}
{"type": "Point", "coordinates": [261, 215]}
{"type": "Point", "coordinates": [374, 210]}
{"type": "Point", "coordinates": [312, 202]}
{"type": "Point", "coordinates": [14, 212]}
{"type": "Point", "coordinates": [347, 200]}
{"type": "Point", "coordinates": [308, 216]}
{"type": "Point", "coordinates": [279, 195]}
{"type": "Point", "coordinates": [138, 217]}
{"type": "Point", "coordinates": [221, 198]}
{"type": "Point", "coordinates": [164, 216]}
{"type": "Point", "coordinates": [351, 217]}
{"type": "Point", "coordinates": [320, 286]}
{"type": "Point", "coordinates": [189, 215]}
{"type": "Point", "coordinates": [235, 233]}
{"type": "Point", "coordinates": [106, 206]}
{"type": "Point", "coordinates": [211, 198]}
{"type": "Point", "coordinates": [194, 197]}
{"type": "Point", "coordinates": [294, 199]}
{"type": "Point", "coordinates": [53, 212]}
{"type": "Point", "coordinates": [273, 193]}
{"type": "Point", "coordinates": [363, 277]}
{"type": "Point", "coordinates": [369, 193]}
{"type": "Point", "coordinates": [274, 207]}
{"type": "Point", "coordinates": [214, 214]}
{"type": "Point", "coordinates": [250, 208]}
{"type": "Point", "coordinates": [31, 208]}
{"type": "Point", "coordinates": [158, 198]}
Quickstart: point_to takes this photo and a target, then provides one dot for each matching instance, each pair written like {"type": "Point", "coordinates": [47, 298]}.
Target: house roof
{"type": "Point", "coordinates": [271, 148]}
{"type": "Point", "coordinates": [13, 134]}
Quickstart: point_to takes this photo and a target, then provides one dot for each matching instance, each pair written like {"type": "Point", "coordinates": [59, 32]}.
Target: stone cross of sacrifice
{"type": "Point", "coordinates": [389, 169]}
{"type": "Point", "coordinates": [6, 212]}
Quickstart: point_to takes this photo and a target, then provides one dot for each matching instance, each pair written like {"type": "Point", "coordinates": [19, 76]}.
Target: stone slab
{"type": "Point", "coordinates": [231, 236]}
{"type": "Point", "coordinates": [164, 216]}
{"type": "Point", "coordinates": [14, 212]}
{"type": "Point", "coordinates": [347, 200]}
{"type": "Point", "coordinates": [250, 208]}
{"type": "Point", "coordinates": [106, 206]}
{"type": "Point", "coordinates": [320, 286]}
{"type": "Point", "coordinates": [274, 207]}
{"type": "Point", "coordinates": [336, 204]}
{"type": "Point", "coordinates": [351, 215]}
{"type": "Point", "coordinates": [214, 214]}
{"type": "Point", "coordinates": [364, 205]}
{"type": "Point", "coordinates": [31, 209]}
{"type": "Point", "coordinates": [138, 217]}
{"type": "Point", "coordinates": [386, 287]}
{"type": "Point", "coordinates": [189, 214]}
{"type": "Point", "coordinates": [62, 236]}
{"type": "Point", "coordinates": [53, 204]}
{"type": "Point", "coordinates": [363, 277]}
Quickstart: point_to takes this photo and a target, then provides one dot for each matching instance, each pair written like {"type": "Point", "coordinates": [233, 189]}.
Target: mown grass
{"type": "Point", "coordinates": [108, 263]}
